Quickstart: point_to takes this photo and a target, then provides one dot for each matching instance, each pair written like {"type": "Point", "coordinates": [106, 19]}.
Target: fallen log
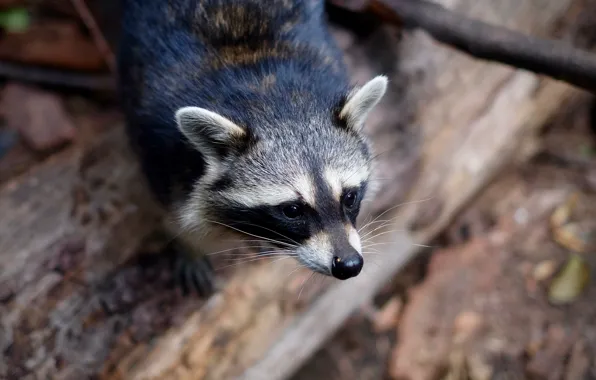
{"type": "Point", "coordinates": [66, 225]}
{"type": "Point", "coordinates": [480, 118]}
{"type": "Point", "coordinates": [76, 300]}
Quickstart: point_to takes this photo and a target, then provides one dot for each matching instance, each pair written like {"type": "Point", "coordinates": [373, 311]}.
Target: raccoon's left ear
{"type": "Point", "coordinates": [361, 101]}
{"type": "Point", "coordinates": [207, 130]}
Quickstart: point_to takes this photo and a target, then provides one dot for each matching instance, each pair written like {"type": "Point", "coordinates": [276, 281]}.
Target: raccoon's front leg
{"type": "Point", "coordinates": [192, 269]}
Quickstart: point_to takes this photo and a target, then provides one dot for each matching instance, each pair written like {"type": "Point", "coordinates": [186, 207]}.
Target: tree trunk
{"type": "Point", "coordinates": [77, 300]}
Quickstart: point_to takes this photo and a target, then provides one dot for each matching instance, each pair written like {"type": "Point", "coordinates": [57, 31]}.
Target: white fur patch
{"type": "Point", "coordinates": [362, 101]}
{"type": "Point", "coordinates": [212, 171]}
{"type": "Point", "coordinates": [189, 215]}
{"type": "Point", "coordinates": [353, 178]}
{"type": "Point", "coordinates": [306, 188]}
{"type": "Point", "coordinates": [204, 129]}
{"type": "Point", "coordinates": [317, 253]}
{"type": "Point", "coordinates": [197, 123]}
{"type": "Point", "coordinates": [354, 238]}
{"type": "Point", "coordinates": [262, 196]}
{"type": "Point", "coordinates": [302, 187]}
{"type": "Point", "coordinates": [339, 179]}
{"type": "Point", "coordinates": [334, 181]}
{"type": "Point", "coordinates": [322, 243]}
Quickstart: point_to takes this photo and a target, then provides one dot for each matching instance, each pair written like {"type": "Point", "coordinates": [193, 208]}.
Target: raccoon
{"type": "Point", "coordinates": [247, 128]}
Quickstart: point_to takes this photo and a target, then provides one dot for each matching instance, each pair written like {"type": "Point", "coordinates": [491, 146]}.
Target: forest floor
{"type": "Point", "coordinates": [508, 291]}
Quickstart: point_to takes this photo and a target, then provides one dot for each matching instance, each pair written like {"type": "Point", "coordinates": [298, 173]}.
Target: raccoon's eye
{"type": "Point", "coordinates": [292, 211]}
{"type": "Point", "coordinates": [350, 199]}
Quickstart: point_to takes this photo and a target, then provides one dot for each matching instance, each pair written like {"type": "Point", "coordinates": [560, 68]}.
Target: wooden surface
{"type": "Point", "coordinates": [77, 299]}
{"type": "Point", "coordinates": [482, 116]}
{"type": "Point", "coordinates": [477, 119]}
{"type": "Point", "coordinates": [66, 225]}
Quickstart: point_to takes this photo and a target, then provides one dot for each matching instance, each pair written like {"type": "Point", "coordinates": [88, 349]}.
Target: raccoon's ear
{"type": "Point", "coordinates": [207, 130]}
{"type": "Point", "coordinates": [361, 101]}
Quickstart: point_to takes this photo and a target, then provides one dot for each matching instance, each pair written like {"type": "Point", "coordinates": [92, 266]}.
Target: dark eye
{"type": "Point", "coordinates": [292, 211]}
{"type": "Point", "coordinates": [350, 199]}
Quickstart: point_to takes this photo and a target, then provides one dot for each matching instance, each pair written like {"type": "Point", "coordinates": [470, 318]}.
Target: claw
{"type": "Point", "coordinates": [193, 274]}
{"type": "Point", "coordinates": [202, 279]}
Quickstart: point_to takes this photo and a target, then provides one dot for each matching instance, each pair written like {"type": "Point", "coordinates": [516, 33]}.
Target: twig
{"type": "Point", "coordinates": [98, 37]}
{"type": "Point", "coordinates": [56, 77]}
{"type": "Point", "coordinates": [481, 40]}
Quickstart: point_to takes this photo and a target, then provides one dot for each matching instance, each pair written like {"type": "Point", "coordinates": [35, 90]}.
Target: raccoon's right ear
{"type": "Point", "coordinates": [207, 130]}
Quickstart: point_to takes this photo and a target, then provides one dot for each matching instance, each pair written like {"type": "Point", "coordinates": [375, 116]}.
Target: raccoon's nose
{"type": "Point", "coordinates": [347, 267]}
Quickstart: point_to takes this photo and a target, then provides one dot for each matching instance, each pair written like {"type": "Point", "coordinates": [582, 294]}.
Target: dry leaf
{"type": "Point", "coordinates": [577, 237]}
{"type": "Point", "coordinates": [544, 270]}
{"type": "Point", "coordinates": [562, 213]}
{"type": "Point", "coordinates": [570, 282]}
{"type": "Point", "coordinates": [576, 234]}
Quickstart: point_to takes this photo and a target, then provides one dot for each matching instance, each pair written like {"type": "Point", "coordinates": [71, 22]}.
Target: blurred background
{"type": "Point", "coordinates": [490, 169]}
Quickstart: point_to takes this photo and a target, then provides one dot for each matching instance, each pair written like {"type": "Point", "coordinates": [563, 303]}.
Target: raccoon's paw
{"type": "Point", "coordinates": [194, 274]}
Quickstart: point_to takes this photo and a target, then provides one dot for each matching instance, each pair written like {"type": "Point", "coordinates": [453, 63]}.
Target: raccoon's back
{"type": "Point", "coordinates": [176, 53]}
{"type": "Point", "coordinates": [220, 55]}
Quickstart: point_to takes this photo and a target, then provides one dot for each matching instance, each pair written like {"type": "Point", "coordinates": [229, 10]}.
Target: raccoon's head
{"type": "Point", "coordinates": [296, 183]}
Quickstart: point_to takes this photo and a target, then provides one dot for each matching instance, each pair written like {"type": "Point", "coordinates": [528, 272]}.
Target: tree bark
{"type": "Point", "coordinates": [77, 300]}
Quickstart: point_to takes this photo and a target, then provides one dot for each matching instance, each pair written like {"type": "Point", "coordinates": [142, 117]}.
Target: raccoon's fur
{"type": "Point", "coordinates": [246, 125]}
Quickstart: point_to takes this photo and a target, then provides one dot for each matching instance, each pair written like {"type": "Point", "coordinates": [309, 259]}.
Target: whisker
{"type": "Point", "coordinates": [366, 223]}
{"type": "Point", "coordinates": [250, 261]}
{"type": "Point", "coordinates": [258, 255]}
{"type": "Point", "coordinates": [321, 278]}
{"type": "Point", "coordinates": [395, 242]}
{"type": "Point", "coordinates": [250, 241]}
{"type": "Point", "coordinates": [424, 246]}
{"type": "Point", "coordinates": [367, 240]}
{"type": "Point", "coordinates": [304, 283]}
{"type": "Point", "coordinates": [270, 230]}
{"type": "Point", "coordinates": [364, 236]}
{"type": "Point", "coordinates": [232, 249]}
{"type": "Point", "coordinates": [295, 270]}
{"type": "Point", "coordinates": [363, 233]}
{"type": "Point", "coordinates": [253, 235]}
{"type": "Point", "coordinates": [281, 258]}
{"type": "Point", "coordinates": [401, 204]}
{"type": "Point", "coordinates": [371, 222]}
{"type": "Point", "coordinates": [263, 253]}
{"type": "Point", "coordinates": [177, 235]}
{"type": "Point", "coordinates": [380, 243]}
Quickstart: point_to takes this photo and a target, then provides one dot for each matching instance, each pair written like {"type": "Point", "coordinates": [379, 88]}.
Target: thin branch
{"type": "Point", "coordinates": [481, 40]}
{"type": "Point", "coordinates": [55, 77]}
{"type": "Point", "coordinates": [98, 37]}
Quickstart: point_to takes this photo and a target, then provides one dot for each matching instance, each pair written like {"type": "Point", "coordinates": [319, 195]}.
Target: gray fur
{"type": "Point", "coordinates": [241, 110]}
{"type": "Point", "coordinates": [287, 155]}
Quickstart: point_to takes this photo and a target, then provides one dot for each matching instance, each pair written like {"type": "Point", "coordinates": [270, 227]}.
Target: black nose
{"type": "Point", "coordinates": [344, 268]}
